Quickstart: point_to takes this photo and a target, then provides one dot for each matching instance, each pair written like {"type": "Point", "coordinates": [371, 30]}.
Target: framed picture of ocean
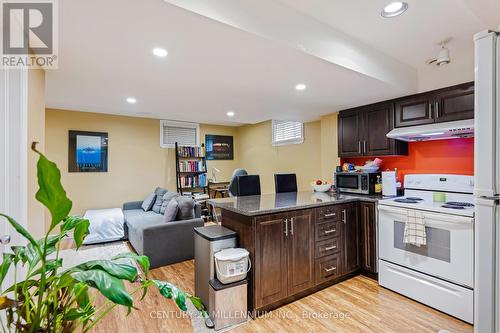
{"type": "Point", "coordinates": [88, 151]}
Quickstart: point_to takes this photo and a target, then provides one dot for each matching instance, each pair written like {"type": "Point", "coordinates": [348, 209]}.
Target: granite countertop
{"type": "Point", "coordinates": [282, 202]}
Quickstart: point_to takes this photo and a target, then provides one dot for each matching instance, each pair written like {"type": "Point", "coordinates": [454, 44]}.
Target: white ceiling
{"type": "Point", "coordinates": [231, 58]}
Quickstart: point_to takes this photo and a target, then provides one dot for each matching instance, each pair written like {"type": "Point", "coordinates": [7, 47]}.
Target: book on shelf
{"type": "Point", "coordinates": [195, 152]}
{"type": "Point", "coordinates": [191, 166]}
{"type": "Point", "coordinates": [192, 181]}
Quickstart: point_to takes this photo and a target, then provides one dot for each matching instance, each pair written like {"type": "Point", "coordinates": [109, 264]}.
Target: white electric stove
{"type": "Point", "coordinates": [440, 273]}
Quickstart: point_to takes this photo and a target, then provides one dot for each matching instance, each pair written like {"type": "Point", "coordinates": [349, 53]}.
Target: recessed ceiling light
{"type": "Point", "coordinates": [131, 100]}
{"type": "Point", "coordinates": [230, 113]}
{"type": "Point", "coordinates": [300, 86]}
{"type": "Point", "coordinates": [394, 9]}
{"type": "Point", "coordinates": [159, 52]}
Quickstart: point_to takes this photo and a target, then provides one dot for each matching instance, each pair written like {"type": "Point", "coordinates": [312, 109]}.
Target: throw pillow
{"type": "Point", "coordinates": [186, 208]}
{"type": "Point", "coordinates": [167, 197]}
{"type": "Point", "coordinates": [148, 203]}
{"type": "Point", "coordinates": [160, 192]}
{"type": "Point", "coordinates": [171, 211]}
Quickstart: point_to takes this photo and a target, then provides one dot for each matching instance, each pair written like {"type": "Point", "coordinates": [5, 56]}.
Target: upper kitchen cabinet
{"type": "Point", "coordinates": [362, 132]}
{"type": "Point", "coordinates": [456, 103]}
{"type": "Point", "coordinates": [448, 104]}
{"type": "Point", "coordinates": [349, 133]}
{"type": "Point", "coordinates": [414, 111]}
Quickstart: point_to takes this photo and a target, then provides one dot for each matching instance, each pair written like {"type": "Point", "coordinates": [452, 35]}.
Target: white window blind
{"type": "Point", "coordinates": [287, 132]}
{"type": "Point", "coordinates": [185, 134]}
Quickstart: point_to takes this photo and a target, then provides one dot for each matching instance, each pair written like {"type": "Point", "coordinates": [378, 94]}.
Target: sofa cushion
{"type": "Point", "coordinates": [167, 197]}
{"type": "Point", "coordinates": [186, 208]}
{"type": "Point", "coordinates": [171, 211]}
{"type": "Point", "coordinates": [148, 203]}
{"type": "Point", "coordinates": [160, 192]}
{"type": "Point", "coordinates": [137, 219]}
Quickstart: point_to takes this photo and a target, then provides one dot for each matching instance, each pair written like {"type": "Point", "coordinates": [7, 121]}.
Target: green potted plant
{"type": "Point", "coordinates": [51, 299]}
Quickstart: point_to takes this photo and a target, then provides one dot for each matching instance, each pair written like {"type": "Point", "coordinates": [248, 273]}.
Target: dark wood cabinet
{"type": "Point", "coordinates": [349, 133]}
{"type": "Point", "coordinates": [350, 238]}
{"type": "Point", "coordinates": [455, 104]}
{"type": "Point", "coordinates": [447, 104]}
{"type": "Point", "coordinates": [304, 250]}
{"type": "Point", "coordinates": [270, 259]}
{"type": "Point", "coordinates": [362, 132]}
{"type": "Point", "coordinates": [300, 251]}
{"type": "Point", "coordinates": [414, 111]}
{"type": "Point", "coordinates": [368, 237]}
{"type": "Point", "coordinates": [285, 252]}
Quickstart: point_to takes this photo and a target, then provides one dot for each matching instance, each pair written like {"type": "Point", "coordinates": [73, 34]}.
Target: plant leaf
{"type": "Point", "coordinates": [8, 258]}
{"type": "Point", "coordinates": [109, 286]}
{"type": "Point", "coordinates": [118, 270]}
{"type": "Point", "coordinates": [19, 252]}
{"type": "Point", "coordinates": [21, 230]}
{"type": "Point", "coordinates": [81, 291]}
{"type": "Point", "coordinates": [143, 261]}
{"type": "Point", "coordinates": [50, 266]}
{"type": "Point", "coordinates": [34, 257]}
{"type": "Point", "coordinates": [80, 227]}
{"type": "Point", "coordinates": [51, 192]}
{"type": "Point", "coordinates": [170, 291]}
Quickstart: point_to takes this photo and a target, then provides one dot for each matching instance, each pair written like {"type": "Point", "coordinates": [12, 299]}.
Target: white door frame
{"type": "Point", "coordinates": [14, 150]}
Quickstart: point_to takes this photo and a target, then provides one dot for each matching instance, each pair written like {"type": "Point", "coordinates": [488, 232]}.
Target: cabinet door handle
{"type": "Point", "coordinates": [364, 146]}
{"type": "Point", "coordinates": [344, 216]}
{"type": "Point", "coordinates": [430, 110]}
{"type": "Point", "coordinates": [291, 226]}
{"type": "Point", "coordinates": [437, 109]}
{"type": "Point", "coordinates": [359, 146]}
{"type": "Point", "coordinates": [330, 214]}
{"type": "Point", "coordinates": [286, 227]}
{"type": "Point", "coordinates": [329, 248]}
{"type": "Point", "coordinates": [330, 231]}
{"type": "Point", "coordinates": [330, 269]}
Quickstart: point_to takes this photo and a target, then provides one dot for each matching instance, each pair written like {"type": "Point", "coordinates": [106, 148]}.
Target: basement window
{"type": "Point", "coordinates": [184, 133]}
{"type": "Point", "coordinates": [287, 132]}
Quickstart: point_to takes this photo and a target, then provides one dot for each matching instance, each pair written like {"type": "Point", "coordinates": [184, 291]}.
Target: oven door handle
{"type": "Point", "coordinates": [428, 215]}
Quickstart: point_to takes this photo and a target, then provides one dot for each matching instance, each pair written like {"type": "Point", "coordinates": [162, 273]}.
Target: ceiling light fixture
{"type": "Point", "coordinates": [131, 100]}
{"type": "Point", "coordinates": [159, 52]}
{"type": "Point", "coordinates": [230, 113]}
{"type": "Point", "coordinates": [393, 9]}
{"type": "Point", "coordinates": [300, 86]}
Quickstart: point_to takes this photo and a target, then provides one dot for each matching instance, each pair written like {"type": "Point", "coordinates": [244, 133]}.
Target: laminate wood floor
{"type": "Point", "coordinates": [355, 305]}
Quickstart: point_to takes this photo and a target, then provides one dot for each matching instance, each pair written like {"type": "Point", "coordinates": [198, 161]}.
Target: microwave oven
{"type": "Point", "coordinates": [356, 182]}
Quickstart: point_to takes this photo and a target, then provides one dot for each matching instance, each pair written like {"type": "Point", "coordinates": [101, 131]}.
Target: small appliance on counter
{"type": "Point", "coordinates": [389, 184]}
{"type": "Point", "coordinates": [356, 182]}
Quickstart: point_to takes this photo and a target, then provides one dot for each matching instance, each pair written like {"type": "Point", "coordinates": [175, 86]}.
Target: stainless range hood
{"type": "Point", "coordinates": [437, 131]}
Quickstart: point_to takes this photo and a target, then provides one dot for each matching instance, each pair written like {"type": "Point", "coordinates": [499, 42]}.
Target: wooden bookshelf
{"type": "Point", "coordinates": [191, 169]}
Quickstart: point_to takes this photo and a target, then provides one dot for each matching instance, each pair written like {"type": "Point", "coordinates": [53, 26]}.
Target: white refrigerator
{"type": "Point", "coordinates": [487, 182]}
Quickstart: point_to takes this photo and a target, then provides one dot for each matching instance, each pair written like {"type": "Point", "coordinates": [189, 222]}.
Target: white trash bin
{"type": "Point", "coordinates": [232, 265]}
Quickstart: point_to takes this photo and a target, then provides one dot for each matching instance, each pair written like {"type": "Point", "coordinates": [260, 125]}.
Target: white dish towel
{"type": "Point", "coordinates": [415, 229]}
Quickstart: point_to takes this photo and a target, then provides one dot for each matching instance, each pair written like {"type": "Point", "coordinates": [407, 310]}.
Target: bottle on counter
{"type": "Point", "coordinates": [378, 185]}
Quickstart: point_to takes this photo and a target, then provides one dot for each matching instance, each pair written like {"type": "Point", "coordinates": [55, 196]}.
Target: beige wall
{"type": "Point", "coordinates": [329, 146]}
{"type": "Point", "coordinates": [137, 163]}
{"type": "Point", "coordinates": [36, 132]}
{"type": "Point", "coordinates": [258, 156]}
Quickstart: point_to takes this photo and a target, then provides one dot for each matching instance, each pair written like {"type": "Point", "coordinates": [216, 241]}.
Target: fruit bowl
{"type": "Point", "coordinates": [321, 187]}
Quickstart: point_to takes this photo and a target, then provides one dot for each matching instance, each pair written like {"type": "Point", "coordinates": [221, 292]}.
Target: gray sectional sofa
{"type": "Point", "coordinates": [163, 242]}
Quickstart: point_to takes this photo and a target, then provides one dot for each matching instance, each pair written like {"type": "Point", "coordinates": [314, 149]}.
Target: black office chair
{"type": "Point", "coordinates": [248, 185]}
{"type": "Point", "coordinates": [233, 184]}
{"type": "Point", "coordinates": [285, 182]}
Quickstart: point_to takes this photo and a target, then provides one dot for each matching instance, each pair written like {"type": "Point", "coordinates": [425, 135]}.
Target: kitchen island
{"type": "Point", "coordinates": [301, 242]}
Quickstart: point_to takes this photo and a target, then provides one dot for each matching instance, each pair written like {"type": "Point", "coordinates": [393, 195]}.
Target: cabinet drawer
{"type": "Point", "coordinates": [327, 213]}
{"type": "Point", "coordinates": [327, 230]}
{"type": "Point", "coordinates": [327, 247]}
{"type": "Point", "coordinates": [327, 268]}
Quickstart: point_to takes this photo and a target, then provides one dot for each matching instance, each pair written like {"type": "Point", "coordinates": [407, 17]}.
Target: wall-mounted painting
{"type": "Point", "coordinates": [219, 147]}
{"type": "Point", "coordinates": [88, 152]}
